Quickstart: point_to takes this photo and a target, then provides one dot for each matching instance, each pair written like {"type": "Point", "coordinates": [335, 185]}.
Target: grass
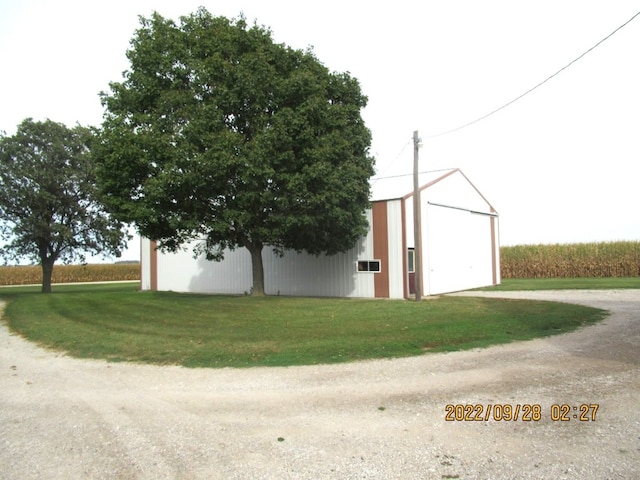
{"type": "Point", "coordinates": [567, 283]}
{"type": "Point", "coordinates": [119, 323]}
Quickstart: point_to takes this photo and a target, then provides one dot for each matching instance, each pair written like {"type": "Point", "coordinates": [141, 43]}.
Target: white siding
{"type": "Point", "coordinates": [459, 253]}
{"type": "Point", "coordinates": [322, 276]}
{"type": "Point", "coordinates": [292, 274]}
{"type": "Point", "coordinates": [426, 245]}
{"type": "Point", "coordinates": [396, 250]}
{"type": "Point", "coordinates": [457, 241]}
{"type": "Point", "coordinates": [180, 272]}
{"type": "Point", "coordinates": [496, 230]}
{"type": "Point", "coordinates": [408, 217]}
{"type": "Point", "coordinates": [145, 264]}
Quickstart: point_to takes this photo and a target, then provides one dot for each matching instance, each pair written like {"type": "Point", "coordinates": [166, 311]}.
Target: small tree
{"type": "Point", "coordinates": [49, 206]}
{"type": "Point", "coordinates": [219, 133]}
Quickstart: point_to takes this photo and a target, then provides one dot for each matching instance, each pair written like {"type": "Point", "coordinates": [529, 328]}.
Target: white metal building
{"type": "Point", "coordinates": [460, 250]}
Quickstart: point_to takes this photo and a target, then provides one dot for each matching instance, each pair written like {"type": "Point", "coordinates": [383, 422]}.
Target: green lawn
{"type": "Point", "coordinates": [119, 323]}
{"type": "Point", "coordinates": [608, 283]}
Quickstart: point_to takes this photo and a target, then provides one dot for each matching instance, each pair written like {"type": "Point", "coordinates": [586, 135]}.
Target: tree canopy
{"type": "Point", "coordinates": [49, 203]}
{"type": "Point", "coordinates": [219, 133]}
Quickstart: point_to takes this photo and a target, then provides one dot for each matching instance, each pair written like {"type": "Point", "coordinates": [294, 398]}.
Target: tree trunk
{"type": "Point", "coordinates": [257, 269]}
{"type": "Point", "coordinates": [47, 271]}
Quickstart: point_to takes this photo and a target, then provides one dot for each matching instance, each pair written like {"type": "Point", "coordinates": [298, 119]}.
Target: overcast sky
{"type": "Point", "coordinates": [559, 165]}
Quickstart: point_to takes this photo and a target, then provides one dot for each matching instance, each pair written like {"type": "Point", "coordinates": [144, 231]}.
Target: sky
{"type": "Point", "coordinates": [560, 165]}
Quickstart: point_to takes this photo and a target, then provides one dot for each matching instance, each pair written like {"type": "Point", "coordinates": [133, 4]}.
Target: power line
{"type": "Point", "coordinates": [376, 178]}
{"type": "Point", "coordinates": [538, 85]}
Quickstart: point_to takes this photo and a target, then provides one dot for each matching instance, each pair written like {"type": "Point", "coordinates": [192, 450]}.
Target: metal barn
{"type": "Point", "coordinates": [459, 237]}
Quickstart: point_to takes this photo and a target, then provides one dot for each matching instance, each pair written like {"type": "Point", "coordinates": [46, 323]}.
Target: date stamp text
{"type": "Point", "coordinates": [525, 412]}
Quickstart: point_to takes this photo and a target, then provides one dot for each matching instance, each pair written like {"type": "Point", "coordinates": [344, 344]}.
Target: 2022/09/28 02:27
{"type": "Point", "coordinates": [525, 412]}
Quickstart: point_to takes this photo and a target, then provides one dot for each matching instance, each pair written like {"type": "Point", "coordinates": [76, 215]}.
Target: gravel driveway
{"type": "Point", "coordinates": [63, 418]}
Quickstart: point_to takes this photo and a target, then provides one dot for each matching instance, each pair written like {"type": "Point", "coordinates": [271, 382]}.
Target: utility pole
{"type": "Point", "coordinates": [417, 221]}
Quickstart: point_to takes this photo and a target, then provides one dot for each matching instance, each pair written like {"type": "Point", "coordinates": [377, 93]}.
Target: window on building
{"type": "Point", "coordinates": [369, 266]}
{"type": "Point", "coordinates": [411, 260]}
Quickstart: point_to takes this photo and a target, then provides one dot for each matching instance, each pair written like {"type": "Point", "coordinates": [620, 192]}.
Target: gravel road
{"type": "Point", "coordinates": [64, 418]}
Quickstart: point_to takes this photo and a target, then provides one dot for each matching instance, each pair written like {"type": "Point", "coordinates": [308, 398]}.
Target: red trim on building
{"type": "Point", "coordinates": [433, 182]}
{"type": "Point", "coordinates": [405, 250]}
{"type": "Point", "coordinates": [381, 248]}
{"type": "Point", "coordinates": [494, 262]}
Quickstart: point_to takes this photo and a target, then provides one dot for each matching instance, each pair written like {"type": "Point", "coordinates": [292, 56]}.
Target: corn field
{"type": "Point", "coordinates": [28, 275]}
{"type": "Point", "coordinates": [575, 260]}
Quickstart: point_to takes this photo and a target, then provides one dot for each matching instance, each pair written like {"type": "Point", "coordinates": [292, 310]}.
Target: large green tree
{"type": "Point", "coordinates": [49, 203]}
{"type": "Point", "coordinates": [219, 133]}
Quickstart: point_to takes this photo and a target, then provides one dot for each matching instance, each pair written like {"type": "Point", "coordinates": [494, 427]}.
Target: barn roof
{"type": "Point", "coordinates": [399, 186]}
